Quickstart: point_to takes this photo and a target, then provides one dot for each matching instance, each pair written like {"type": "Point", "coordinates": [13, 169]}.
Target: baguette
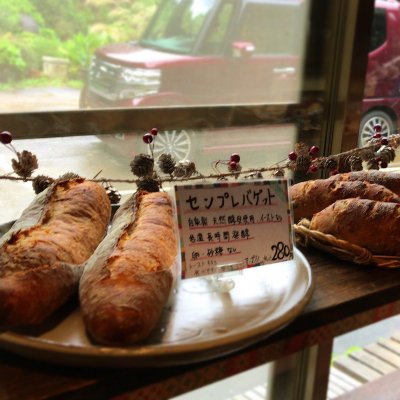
{"type": "Point", "coordinates": [390, 180]}
{"type": "Point", "coordinates": [128, 280]}
{"type": "Point", "coordinates": [373, 225]}
{"type": "Point", "coordinates": [310, 197]}
{"type": "Point", "coordinates": [42, 255]}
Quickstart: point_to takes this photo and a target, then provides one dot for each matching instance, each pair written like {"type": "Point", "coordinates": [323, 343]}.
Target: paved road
{"type": "Point", "coordinates": [39, 99]}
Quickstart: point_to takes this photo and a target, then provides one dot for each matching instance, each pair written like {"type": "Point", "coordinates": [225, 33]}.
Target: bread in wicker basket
{"type": "Point", "coordinates": [342, 249]}
{"type": "Point", "coordinates": [312, 196]}
{"type": "Point", "coordinates": [363, 231]}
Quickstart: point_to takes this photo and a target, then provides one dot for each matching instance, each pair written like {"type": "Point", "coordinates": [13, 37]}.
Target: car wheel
{"type": "Point", "coordinates": [369, 121]}
{"type": "Point", "coordinates": [178, 143]}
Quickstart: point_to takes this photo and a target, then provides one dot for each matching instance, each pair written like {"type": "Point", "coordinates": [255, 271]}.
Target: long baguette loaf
{"type": "Point", "coordinates": [41, 256]}
{"type": "Point", "coordinates": [390, 180]}
{"type": "Point", "coordinates": [310, 197]}
{"type": "Point", "coordinates": [127, 281]}
{"type": "Point", "coordinates": [373, 225]}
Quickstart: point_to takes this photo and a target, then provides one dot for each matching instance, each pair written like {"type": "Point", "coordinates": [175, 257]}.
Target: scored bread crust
{"type": "Point", "coordinates": [310, 197]}
{"type": "Point", "coordinates": [389, 179]}
{"type": "Point", "coordinates": [371, 224]}
{"type": "Point", "coordinates": [42, 255]}
{"type": "Point", "coordinates": [128, 280]}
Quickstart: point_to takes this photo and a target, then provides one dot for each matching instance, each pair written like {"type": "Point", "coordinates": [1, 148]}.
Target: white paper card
{"type": "Point", "coordinates": [229, 226]}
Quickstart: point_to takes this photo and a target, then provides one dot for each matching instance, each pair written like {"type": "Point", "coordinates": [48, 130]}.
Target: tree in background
{"type": "Point", "coordinates": [122, 20]}
{"type": "Point", "coordinates": [66, 17]}
{"type": "Point", "coordinates": [72, 29]}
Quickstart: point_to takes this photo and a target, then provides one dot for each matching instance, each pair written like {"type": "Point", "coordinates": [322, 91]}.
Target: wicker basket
{"type": "Point", "coordinates": [341, 248]}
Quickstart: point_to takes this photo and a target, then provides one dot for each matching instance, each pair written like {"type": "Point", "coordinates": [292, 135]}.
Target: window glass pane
{"type": "Point", "coordinates": [102, 54]}
{"type": "Point", "coordinates": [262, 103]}
{"type": "Point", "coordinates": [109, 157]}
{"type": "Point", "coordinates": [217, 33]}
{"type": "Point", "coordinates": [177, 26]}
{"type": "Point", "coordinates": [381, 103]}
{"type": "Point", "coordinates": [271, 28]}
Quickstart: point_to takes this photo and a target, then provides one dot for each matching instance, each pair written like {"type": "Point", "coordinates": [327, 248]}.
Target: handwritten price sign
{"type": "Point", "coordinates": [229, 226]}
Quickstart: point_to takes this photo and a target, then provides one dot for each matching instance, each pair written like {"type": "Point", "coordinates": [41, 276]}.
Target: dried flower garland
{"type": "Point", "coordinates": [151, 173]}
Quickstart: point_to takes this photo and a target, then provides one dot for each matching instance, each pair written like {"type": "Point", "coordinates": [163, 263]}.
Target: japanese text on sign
{"type": "Point", "coordinates": [241, 223]}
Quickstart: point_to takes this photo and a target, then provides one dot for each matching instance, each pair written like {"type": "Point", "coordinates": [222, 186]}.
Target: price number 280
{"type": "Point", "coordinates": [281, 251]}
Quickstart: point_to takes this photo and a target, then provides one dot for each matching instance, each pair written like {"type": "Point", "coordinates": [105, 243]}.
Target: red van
{"type": "Point", "coordinates": [203, 52]}
{"type": "Point", "coordinates": [381, 104]}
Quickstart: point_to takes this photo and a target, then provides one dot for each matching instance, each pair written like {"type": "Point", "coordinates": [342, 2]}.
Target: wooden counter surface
{"type": "Point", "coordinates": [346, 297]}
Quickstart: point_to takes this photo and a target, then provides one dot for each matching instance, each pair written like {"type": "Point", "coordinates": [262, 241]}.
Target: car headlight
{"type": "Point", "coordinates": [137, 82]}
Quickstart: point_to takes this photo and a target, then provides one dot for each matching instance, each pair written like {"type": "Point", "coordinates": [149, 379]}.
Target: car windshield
{"type": "Point", "coordinates": [177, 25]}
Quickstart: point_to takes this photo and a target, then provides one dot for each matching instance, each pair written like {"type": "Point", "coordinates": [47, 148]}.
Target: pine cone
{"type": "Point", "coordinates": [331, 164]}
{"type": "Point", "coordinates": [185, 169]}
{"type": "Point", "coordinates": [166, 163]}
{"type": "Point", "coordinates": [373, 164]}
{"type": "Point", "coordinates": [387, 154]}
{"type": "Point", "coordinates": [303, 163]}
{"type": "Point", "coordinates": [142, 165]}
{"type": "Point", "coordinates": [355, 163]}
{"type": "Point", "coordinates": [367, 155]}
{"type": "Point", "coordinates": [68, 175]}
{"type": "Point", "coordinates": [148, 184]}
{"type": "Point", "coordinates": [301, 149]}
{"type": "Point", "coordinates": [41, 183]}
{"type": "Point", "coordinates": [344, 164]}
{"type": "Point", "coordinates": [26, 164]}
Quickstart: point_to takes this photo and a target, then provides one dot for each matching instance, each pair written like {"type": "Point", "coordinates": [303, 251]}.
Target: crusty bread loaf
{"type": "Point", "coordinates": [41, 256]}
{"type": "Point", "coordinates": [127, 281]}
{"type": "Point", "coordinates": [373, 225]}
{"type": "Point", "coordinates": [310, 197]}
{"type": "Point", "coordinates": [390, 180]}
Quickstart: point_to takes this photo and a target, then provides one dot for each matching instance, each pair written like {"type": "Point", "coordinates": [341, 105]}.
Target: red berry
{"type": "Point", "coordinates": [383, 164]}
{"type": "Point", "coordinates": [378, 128]}
{"type": "Point", "coordinates": [154, 131]}
{"type": "Point", "coordinates": [292, 156]}
{"type": "Point", "coordinates": [5, 137]}
{"type": "Point", "coordinates": [235, 157]}
{"type": "Point", "coordinates": [377, 136]}
{"type": "Point", "coordinates": [313, 168]}
{"type": "Point", "coordinates": [384, 141]}
{"type": "Point", "coordinates": [147, 138]}
{"type": "Point", "coordinates": [233, 165]}
{"type": "Point", "coordinates": [314, 149]}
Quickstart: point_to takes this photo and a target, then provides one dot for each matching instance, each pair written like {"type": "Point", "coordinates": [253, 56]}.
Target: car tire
{"type": "Point", "coordinates": [369, 121]}
{"type": "Point", "coordinates": [176, 142]}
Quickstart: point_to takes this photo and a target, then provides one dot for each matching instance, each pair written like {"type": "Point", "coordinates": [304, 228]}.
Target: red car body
{"type": "Point", "coordinates": [233, 57]}
{"type": "Point", "coordinates": [381, 103]}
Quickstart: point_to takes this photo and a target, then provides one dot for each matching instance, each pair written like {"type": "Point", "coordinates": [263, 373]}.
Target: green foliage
{"type": "Point", "coordinates": [71, 29]}
{"type": "Point", "coordinates": [123, 20]}
{"type": "Point", "coordinates": [66, 17]}
{"type": "Point", "coordinates": [79, 49]}
{"type": "Point", "coordinates": [11, 61]}
{"type": "Point", "coordinates": [11, 13]}
{"type": "Point", "coordinates": [35, 46]}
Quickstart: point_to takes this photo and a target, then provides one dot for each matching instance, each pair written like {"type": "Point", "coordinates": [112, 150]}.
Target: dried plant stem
{"type": "Point", "coordinates": [394, 142]}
